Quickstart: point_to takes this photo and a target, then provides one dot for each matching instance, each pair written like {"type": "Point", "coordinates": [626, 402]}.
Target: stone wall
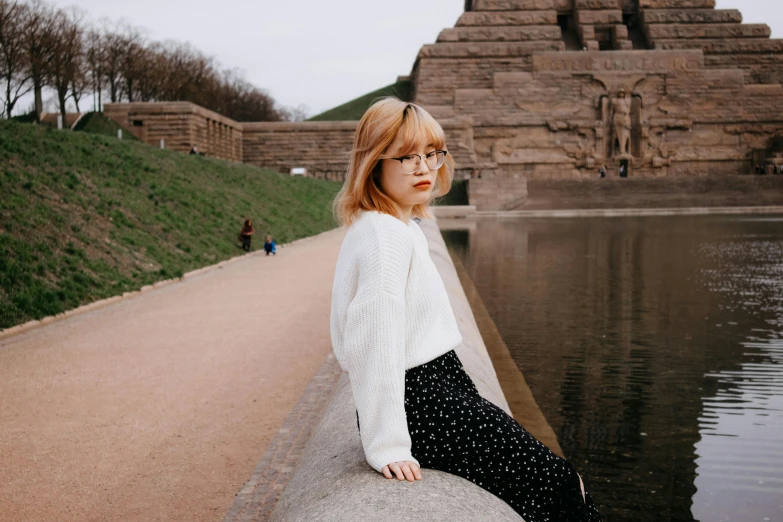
{"type": "Point", "coordinates": [322, 148]}
{"type": "Point", "coordinates": [182, 125]}
{"type": "Point", "coordinates": [498, 190]}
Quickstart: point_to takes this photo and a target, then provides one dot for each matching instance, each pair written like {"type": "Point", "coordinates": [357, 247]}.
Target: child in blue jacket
{"type": "Point", "coordinates": [269, 246]}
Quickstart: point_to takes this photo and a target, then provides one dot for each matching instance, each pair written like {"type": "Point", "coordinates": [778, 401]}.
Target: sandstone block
{"type": "Point", "coordinates": [671, 31]}
{"type": "Point", "coordinates": [501, 34]}
{"type": "Point", "coordinates": [472, 18]}
{"type": "Point", "coordinates": [738, 46]}
{"type": "Point", "coordinates": [487, 49]}
{"type": "Point", "coordinates": [676, 4]}
{"type": "Point", "coordinates": [586, 33]}
{"type": "Point", "coordinates": [514, 5]}
{"type": "Point", "coordinates": [690, 16]}
{"type": "Point", "coordinates": [596, 4]}
{"type": "Point", "coordinates": [599, 17]}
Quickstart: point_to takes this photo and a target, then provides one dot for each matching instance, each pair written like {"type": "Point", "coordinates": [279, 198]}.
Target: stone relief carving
{"type": "Point", "coordinates": [621, 124]}
{"type": "Point", "coordinates": [583, 151]}
{"type": "Point", "coordinates": [659, 151]}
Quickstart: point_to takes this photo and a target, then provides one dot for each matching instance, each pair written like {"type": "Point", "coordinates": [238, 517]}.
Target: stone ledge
{"type": "Point", "coordinates": [453, 211]}
{"type": "Point", "coordinates": [505, 33]}
{"type": "Point", "coordinates": [616, 212]}
{"type": "Point", "coordinates": [485, 19]}
{"type": "Point", "coordinates": [691, 16]}
{"type": "Point", "coordinates": [333, 482]}
{"type": "Point", "coordinates": [676, 4]}
{"type": "Point", "coordinates": [514, 5]}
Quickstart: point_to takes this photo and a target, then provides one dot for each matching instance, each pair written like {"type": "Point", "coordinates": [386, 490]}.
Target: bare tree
{"type": "Point", "coordinates": [113, 55]}
{"type": "Point", "coordinates": [152, 61]}
{"type": "Point", "coordinates": [65, 66]}
{"type": "Point", "coordinates": [94, 61]}
{"type": "Point", "coordinates": [41, 47]}
{"type": "Point", "coordinates": [130, 63]}
{"type": "Point", "coordinates": [299, 113]}
{"type": "Point", "coordinates": [14, 69]}
{"type": "Point", "coordinates": [81, 82]}
{"type": "Point", "coordinates": [39, 40]}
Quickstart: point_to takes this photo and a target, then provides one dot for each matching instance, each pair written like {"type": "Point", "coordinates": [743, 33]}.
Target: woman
{"type": "Point", "coordinates": [246, 235]}
{"type": "Point", "coordinates": [394, 332]}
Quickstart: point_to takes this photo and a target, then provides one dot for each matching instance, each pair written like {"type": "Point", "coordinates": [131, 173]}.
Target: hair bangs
{"type": "Point", "coordinates": [420, 131]}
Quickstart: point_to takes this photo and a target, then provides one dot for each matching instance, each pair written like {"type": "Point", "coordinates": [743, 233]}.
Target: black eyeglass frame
{"type": "Point", "coordinates": [421, 158]}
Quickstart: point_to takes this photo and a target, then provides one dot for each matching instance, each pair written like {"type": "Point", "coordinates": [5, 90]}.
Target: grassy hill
{"type": "Point", "coordinates": [84, 216]}
{"type": "Point", "coordinates": [97, 123]}
{"type": "Point", "coordinates": [355, 109]}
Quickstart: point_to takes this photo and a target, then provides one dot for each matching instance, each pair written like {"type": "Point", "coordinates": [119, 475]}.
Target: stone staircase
{"type": "Point", "coordinates": [727, 42]}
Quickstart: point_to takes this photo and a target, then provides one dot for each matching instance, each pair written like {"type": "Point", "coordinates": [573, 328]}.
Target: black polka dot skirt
{"type": "Point", "coordinates": [453, 429]}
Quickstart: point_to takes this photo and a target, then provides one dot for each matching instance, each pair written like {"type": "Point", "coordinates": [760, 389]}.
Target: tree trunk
{"type": "Point", "coordinates": [75, 96]}
{"type": "Point", "coordinates": [113, 90]}
{"type": "Point", "coordinates": [10, 102]}
{"type": "Point", "coordinates": [38, 101]}
{"type": "Point", "coordinates": [62, 96]}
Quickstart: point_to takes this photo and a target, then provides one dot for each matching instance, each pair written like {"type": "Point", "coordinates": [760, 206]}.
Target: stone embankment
{"type": "Point", "coordinates": [333, 482]}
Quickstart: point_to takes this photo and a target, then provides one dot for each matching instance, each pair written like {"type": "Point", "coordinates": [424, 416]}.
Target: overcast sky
{"type": "Point", "coordinates": [319, 53]}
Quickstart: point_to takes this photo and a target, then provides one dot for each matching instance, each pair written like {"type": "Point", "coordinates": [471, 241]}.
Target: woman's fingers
{"type": "Point", "coordinates": [395, 467]}
{"type": "Point", "coordinates": [403, 470]}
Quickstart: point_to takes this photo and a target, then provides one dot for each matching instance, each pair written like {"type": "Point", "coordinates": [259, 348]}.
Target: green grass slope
{"type": "Point", "coordinates": [97, 123]}
{"type": "Point", "coordinates": [84, 216]}
{"type": "Point", "coordinates": [355, 109]}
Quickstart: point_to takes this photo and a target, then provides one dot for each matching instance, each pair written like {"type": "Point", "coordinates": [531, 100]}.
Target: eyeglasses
{"type": "Point", "coordinates": [410, 163]}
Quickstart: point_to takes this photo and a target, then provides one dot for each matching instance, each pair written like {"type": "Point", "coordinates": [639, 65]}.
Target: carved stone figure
{"type": "Point", "coordinates": [621, 123]}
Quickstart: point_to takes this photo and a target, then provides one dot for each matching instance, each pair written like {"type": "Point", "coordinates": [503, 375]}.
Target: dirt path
{"type": "Point", "coordinates": [159, 407]}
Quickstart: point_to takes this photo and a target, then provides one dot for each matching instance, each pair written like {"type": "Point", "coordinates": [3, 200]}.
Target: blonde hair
{"type": "Point", "coordinates": [380, 125]}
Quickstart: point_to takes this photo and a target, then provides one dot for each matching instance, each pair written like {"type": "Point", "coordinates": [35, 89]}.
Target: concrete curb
{"type": "Point", "coordinates": [95, 305]}
{"type": "Point", "coordinates": [333, 481]}
{"type": "Point", "coordinates": [615, 212]}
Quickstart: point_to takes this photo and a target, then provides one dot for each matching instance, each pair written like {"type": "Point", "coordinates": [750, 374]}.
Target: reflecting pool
{"type": "Point", "coordinates": [654, 346]}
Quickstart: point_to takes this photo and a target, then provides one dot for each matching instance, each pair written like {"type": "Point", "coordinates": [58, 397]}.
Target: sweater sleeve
{"type": "Point", "coordinates": [374, 346]}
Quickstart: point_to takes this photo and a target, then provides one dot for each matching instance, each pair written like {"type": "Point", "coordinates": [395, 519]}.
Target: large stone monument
{"type": "Point", "coordinates": [552, 89]}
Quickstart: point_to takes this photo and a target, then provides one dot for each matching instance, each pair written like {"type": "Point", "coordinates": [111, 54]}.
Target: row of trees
{"type": "Point", "coordinates": [42, 47]}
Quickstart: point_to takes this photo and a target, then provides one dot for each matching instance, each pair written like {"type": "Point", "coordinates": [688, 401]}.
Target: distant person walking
{"type": "Point", "coordinates": [602, 171]}
{"type": "Point", "coordinates": [246, 235]}
{"type": "Point", "coordinates": [622, 171]}
{"type": "Point", "coordinates": [269, 246]}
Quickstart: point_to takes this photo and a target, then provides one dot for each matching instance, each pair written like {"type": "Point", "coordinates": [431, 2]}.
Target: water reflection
{"type": "Point", "coordinates": [653, 346]}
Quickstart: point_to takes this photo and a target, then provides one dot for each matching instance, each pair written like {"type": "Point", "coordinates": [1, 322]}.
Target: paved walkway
{"type": "Point", "coordinates": [160, 407]}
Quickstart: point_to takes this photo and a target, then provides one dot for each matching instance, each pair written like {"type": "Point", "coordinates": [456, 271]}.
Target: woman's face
{"type": "Point", "coordinates": [406, 190]}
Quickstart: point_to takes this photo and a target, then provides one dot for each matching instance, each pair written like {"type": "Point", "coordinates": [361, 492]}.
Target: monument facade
{"type": "Point", "coordinates": [553, 89]}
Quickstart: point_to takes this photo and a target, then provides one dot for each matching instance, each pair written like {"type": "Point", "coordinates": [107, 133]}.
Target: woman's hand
{"type": "Point", "coordinates": [405, 470]}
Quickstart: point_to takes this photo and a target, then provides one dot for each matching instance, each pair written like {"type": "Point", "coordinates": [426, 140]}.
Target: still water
{"type": "Point", "coordinates": [654, 346]}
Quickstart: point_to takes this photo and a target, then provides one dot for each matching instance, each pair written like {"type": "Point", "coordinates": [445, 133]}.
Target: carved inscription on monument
{"type": "Point", "coordinates": [590, 62]}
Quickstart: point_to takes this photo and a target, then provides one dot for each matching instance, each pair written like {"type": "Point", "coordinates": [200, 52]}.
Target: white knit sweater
{"type": "Point", "coordinates": [390, 312]}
